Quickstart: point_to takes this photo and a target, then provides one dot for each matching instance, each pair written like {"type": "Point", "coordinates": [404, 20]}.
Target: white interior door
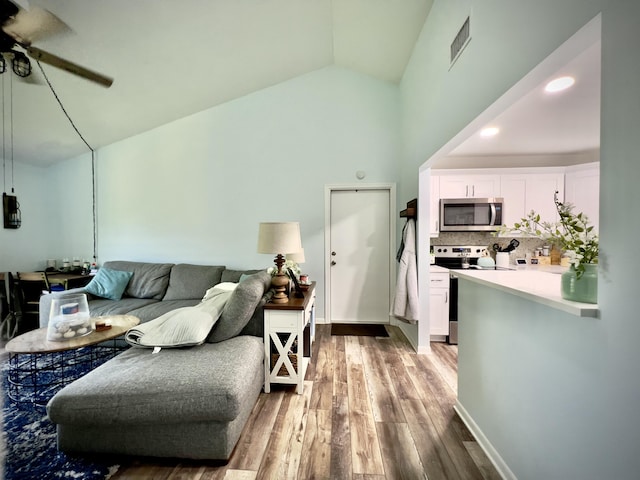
{"type": "Point", "coordinates": [360, 256]}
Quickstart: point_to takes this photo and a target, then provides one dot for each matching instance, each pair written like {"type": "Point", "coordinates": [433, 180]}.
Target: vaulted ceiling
{"type": "Point", "coordinates": [171, 59]}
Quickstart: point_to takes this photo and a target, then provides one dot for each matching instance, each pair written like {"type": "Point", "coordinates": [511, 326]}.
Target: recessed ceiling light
{"type": "Point", "coordinates": [559, 84]}
{"type": "Point", "coordinates": [489, 131]}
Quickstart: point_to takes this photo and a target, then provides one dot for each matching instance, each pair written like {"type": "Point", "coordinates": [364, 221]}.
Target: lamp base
{"type": "Point", "coordinates": [279, 283]}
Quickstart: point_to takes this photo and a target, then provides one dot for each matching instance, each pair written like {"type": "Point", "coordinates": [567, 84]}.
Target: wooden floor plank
{"type": "Point", "coordinates": [282, 458]}
{"type": "Point", "coordinates": [432, 452]}
{"type": "Point", "coordinates": [339, 366]}
{"type": "Point", "coordinates": [146, 471]}
{"type": "Point", "coordinates": [401, 459]}
{"type": "Point", "coordinates": [365, 448]}
{"type": "Point", "coordinates": [352, 350]}
{"type": "Point", "coordinates": [257, 432]}
{"type": "Point", "coordinates": [403, 347]}
{"type": "Point", "coordinates": [341, 464]}
{"type": "Point", "coordinates": [316, 460]}
{"type": "Point", "coordinates": [404, 387]}
{"type": "Point", "coordinates": [187, 472]}
{"type": "Point", "coordinates": [324, 365]}
{"type": "Point", "coordinates": [240, 475]}
{"type": "Point", "coordinates": [213, 474]}
{"type": "Point", "coordinates": [384, 400]}
{"type": "Point", "coordinates": [442, 417]}
{"type": "Point", "coordinates": [446, 362]}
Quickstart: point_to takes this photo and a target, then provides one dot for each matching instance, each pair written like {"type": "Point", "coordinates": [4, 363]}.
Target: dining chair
{"type": "Point", "coordinates": [33, 285]}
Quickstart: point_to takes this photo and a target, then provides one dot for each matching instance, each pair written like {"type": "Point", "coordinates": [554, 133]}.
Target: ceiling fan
{"type": "Point", "coordinates": [20, 27]}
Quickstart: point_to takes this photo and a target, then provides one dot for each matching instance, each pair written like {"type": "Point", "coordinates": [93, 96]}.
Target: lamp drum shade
{"type": "Point", "coordinates": [297, 257]}
{"type": "Point", "coordinates": [279, 237]}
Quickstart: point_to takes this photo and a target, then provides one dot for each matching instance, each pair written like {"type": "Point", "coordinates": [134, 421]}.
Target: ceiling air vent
{"type": "Point", "coordinates": [461, 40]}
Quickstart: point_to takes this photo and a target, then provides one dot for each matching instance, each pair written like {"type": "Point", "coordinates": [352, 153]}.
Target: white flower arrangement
{"type": "Point", "coordinates": [295, 268]}
{"type": "Point", "coordinates": [572, 234]}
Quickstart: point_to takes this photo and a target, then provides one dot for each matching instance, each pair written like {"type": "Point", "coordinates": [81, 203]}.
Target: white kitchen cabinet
{"type": "Point", "coordinates": [470, 186]}
{"type": "Point", "coordinates": [439, 303]}
{"type": "Point", "coordinates": [524, 192]}
{"type": "Point", "coordinates": [582, 190]}
{"type": "Point", "coordinates": [434, 207]}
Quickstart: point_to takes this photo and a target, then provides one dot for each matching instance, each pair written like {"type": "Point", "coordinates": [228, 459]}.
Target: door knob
{"type": "Point", "coordinates": [333, 263]}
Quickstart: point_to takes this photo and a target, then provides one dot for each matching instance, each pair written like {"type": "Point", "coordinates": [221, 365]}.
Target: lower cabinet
{"type": "Point", "coordinates": [439, 303]}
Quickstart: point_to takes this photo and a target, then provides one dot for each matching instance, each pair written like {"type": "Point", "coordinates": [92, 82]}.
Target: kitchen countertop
{"type": "Point", "coordinates": [538, 284]}
{"type": "Point", "coordinates": [438, 269]}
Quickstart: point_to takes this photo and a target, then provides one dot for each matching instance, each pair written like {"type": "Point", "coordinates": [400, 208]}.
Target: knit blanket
{"type": "Point", "coordinates": [183, 327]}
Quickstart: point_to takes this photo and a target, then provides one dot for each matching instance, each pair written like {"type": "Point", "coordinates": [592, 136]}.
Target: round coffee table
{"type": "Point", "coordinates": [38, 367]}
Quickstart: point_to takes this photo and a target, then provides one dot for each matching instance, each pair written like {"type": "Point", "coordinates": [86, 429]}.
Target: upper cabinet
{"type": "Point", "coordinates": [523, 192]}
{"type": "Point", "coordinates": [469, 186]}
{"type": "Point", "coordinates": [582, 190]}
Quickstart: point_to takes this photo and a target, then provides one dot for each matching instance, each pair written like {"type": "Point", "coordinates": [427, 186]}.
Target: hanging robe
{"type": "Point", "coordinates": [406, 304]}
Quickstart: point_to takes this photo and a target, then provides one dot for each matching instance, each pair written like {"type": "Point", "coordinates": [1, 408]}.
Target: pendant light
{"type": "Point", "coordinates": [12, 217]}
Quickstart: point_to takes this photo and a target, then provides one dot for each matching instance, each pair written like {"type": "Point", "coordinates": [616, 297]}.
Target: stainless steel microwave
{"type": "Point", "coordinates": [471, 214]}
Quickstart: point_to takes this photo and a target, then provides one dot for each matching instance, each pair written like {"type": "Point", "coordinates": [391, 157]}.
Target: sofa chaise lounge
{"type": "Point", "coordinates": [180, 402]}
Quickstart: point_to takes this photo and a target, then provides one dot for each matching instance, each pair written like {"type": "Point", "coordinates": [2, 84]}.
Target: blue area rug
{"type": "Point", "coordinates": [30, 439]}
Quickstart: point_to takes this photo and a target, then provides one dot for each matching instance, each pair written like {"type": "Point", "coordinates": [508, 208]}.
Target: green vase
{"type": "Point", "coordinates": [583, 289]}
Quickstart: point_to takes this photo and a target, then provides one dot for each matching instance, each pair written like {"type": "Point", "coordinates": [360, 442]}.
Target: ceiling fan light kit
{"type": "Point", "coordinates": [21, 65]}
{"type": "Point", "coordinates": [20, 27]}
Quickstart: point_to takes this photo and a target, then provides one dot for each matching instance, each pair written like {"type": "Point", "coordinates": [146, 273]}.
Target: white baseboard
{"type": "Point", "coordinates": [321, 321]}
{"type": "Point", "coordinates": [493, 455]}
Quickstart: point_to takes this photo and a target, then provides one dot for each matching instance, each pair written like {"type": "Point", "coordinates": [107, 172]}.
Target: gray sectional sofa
{"type": "Point", "coordinates": [154, 289]}
{"type": "Point", "coordinates": [180, 402]}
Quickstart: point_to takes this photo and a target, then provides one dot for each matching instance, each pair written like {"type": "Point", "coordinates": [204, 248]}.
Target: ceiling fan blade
{"type": "Point", "coordinates": [70, 67]}
{"type": "Point", "coordinates": [29, 26]}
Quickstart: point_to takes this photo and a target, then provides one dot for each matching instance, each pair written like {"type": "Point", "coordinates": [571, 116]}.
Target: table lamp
{"type": "Point", "coordinates": [280, 238]}
{"type": "Point", "coordinates": [296, 257]}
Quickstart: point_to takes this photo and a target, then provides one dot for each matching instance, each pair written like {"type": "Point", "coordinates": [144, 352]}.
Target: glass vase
{"type": "Point", "coordinates": [583, 289]}
{"type": "Point", "coordinates": [69, 318]}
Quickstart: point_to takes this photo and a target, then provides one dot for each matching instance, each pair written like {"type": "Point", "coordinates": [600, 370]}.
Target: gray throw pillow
{"type": "Point", "coordinates": [240, 307]}
{"type": "Point", "coordinates": [192, 281]}
{"type": "Point", "coordinates": [149, 280]}
{"type": "Point", "coordinates": [229, 275]}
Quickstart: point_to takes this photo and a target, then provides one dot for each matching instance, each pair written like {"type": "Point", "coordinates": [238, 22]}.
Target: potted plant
{"type": "Point", "coordinates": [575, 237]}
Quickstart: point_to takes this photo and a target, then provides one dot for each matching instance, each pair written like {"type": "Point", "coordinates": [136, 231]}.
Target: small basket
{"type": "Point", "coordinates": [283, 372]}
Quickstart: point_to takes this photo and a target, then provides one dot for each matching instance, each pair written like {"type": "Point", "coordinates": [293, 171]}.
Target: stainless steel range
{"type": "Point", "coordinates": [456, 257]}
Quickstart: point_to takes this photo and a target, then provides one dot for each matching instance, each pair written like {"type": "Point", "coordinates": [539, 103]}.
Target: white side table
{"type": "Point", "coordinates": [289, 331]}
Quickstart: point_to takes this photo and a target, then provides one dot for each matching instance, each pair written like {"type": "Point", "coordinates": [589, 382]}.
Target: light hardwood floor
{"type": "Point", "coordinates": [371, 410]}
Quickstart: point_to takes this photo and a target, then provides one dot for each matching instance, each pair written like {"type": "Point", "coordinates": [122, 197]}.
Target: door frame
{"type": "Point", "coordinates": [328, 190]}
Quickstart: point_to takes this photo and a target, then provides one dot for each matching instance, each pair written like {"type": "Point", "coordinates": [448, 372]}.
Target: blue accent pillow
{"type": "Point", "coordinates": [109, 283]}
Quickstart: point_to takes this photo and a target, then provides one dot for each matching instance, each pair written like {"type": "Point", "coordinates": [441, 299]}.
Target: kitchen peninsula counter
{"type": "Point", "coordinates": [536, 285]}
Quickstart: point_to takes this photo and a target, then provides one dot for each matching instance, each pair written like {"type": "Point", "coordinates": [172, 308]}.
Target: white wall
{"type": "Point", "coordinates": [196, 189]}
{"type": "Point", "coordinates": [594, 385]}
{"type": "Point", "coordinates": [28, 247]}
